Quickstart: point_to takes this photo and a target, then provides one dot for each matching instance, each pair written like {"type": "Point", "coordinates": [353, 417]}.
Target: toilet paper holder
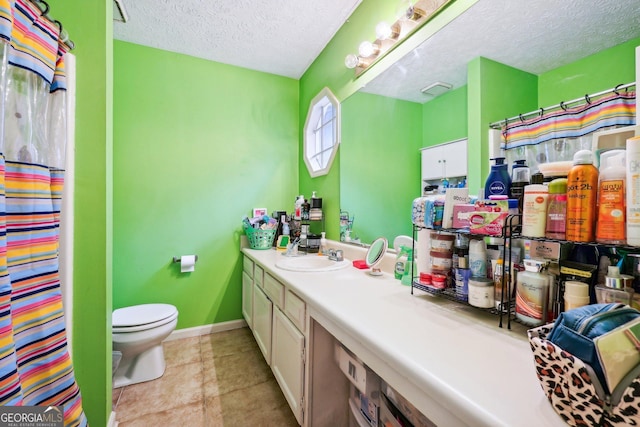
{"type": "Point", "coordinates": [178, 258]}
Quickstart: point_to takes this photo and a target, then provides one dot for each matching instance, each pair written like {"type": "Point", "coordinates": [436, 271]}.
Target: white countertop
{"type": "Point", "coordinates": [453, 362]}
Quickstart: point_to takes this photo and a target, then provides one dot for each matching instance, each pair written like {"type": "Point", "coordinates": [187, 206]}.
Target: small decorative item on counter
{"type": "Point", "coordinates": [582, 189]}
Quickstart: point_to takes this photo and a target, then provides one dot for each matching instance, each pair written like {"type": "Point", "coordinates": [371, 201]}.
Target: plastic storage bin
{"type": "Point", "coordinates": [566, 381]}
{"type": "Point", "coordinates": [260, 239]}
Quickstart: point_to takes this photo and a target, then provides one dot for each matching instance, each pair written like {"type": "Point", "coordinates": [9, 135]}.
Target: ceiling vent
{"type": "Point", "coordinates": [119, 12]}
{"type": "Point", "coordinates": [436, 89]}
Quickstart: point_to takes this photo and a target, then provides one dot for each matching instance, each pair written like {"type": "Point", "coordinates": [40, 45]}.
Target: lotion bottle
{"type": "Point", "coordinates": [582, 189]}
{"type": "Point", "coordinates": [532, 293]}
{"type": "Point", "coordinates": [534, 210]}
{"type": "Point", "coordinates": [633, 191]}
{"type": "Point", "coordinates": [611, 226]}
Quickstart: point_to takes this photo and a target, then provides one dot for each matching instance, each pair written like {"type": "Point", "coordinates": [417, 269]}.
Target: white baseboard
{"type": "Point", "coordinates": [206, 329]}
{"type": "Point", "coordinates": [112, 420]}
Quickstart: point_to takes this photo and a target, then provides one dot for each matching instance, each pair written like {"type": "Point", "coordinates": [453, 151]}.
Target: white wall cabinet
{"type": "Point", "coordinates": [262, 317]}
{"type": "Point", "coordinates": [288, 361]}
{"type": "Point", "coordinates": [444, 160]}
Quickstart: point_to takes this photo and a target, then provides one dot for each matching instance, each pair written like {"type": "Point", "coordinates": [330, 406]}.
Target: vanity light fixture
{"type": "Point", "coordinates": [411, 15]}
{"type": "Point", "coordinates": [367, 49]}
{"type": "Point", "coordinates": [436, 89]}
{"type": "Point", "coordinates": [385, 31]}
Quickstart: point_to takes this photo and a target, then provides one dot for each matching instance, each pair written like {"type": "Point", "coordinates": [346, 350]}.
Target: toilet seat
{"type": "Point", "coordinates": [142, 317]}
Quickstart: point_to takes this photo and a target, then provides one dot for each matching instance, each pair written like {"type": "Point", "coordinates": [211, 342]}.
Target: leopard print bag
{"type": "Point", "coordinates": [575, 396]}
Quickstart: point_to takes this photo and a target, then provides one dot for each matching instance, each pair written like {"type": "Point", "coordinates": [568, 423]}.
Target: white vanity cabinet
{"type": "Point", "coordinates": [288, 361]}
{"type": "Point", "coordinates": [444, 160]}
{"type": "Point", "coordinates": [278, 322]}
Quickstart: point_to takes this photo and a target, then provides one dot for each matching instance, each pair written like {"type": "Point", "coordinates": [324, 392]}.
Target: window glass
{"type": "Point", "coordinates": [322, 133]}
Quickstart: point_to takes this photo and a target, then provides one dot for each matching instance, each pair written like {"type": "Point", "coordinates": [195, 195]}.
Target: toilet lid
{"type": "Point", "coordinates": [142, 314]}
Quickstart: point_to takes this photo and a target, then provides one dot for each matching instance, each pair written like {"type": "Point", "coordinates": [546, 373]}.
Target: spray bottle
{"type": "Point", "coordinates": [611, 226]}
{"type": "Point", "coordinates": [407, 275]}
{"type": "Point", "coordinates": [401, 260]}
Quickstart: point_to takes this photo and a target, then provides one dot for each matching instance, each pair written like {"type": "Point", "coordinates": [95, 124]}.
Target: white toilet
{"type": "Point", "coordinates": [138, 332]}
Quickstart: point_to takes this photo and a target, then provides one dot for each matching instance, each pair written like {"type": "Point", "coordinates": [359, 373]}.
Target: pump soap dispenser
{"type": "Point", "coordinates": [498, 182]}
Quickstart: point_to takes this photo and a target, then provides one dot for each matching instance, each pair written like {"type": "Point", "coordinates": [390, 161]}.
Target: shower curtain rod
{"type": "Point", "coordinates": [64, 35]}
{"type": "Point", "coordinates": [563, 105]}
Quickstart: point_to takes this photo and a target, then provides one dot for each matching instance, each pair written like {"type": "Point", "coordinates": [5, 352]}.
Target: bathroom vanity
{"type": "Point", "coordinates": [452, 362]}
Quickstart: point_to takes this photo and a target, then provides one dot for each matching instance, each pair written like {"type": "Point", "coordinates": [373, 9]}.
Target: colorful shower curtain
{"type": "Point", "coordinates": [35, 366]}
{"type": "Point", "coordinates": [557, 135]}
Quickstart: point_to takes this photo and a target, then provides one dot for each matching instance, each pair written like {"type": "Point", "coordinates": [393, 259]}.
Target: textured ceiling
{"type": "Point", "coordinates": [277, 36]}
{"type": "Point", "coordinates": [534, 36]}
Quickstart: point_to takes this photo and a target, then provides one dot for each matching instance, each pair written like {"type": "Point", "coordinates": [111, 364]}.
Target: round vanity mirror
{"type": "Point", "coordinates": [375, 254]}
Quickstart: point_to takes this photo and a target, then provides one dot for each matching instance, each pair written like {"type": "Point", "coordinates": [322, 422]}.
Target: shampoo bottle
{"type": "Point", "coordinates": [633, 191]}
{"type": "Point", "coordinates": [498, 182]}
{"type": "Point", "coordinates": [611, 227]}
{"type": "Point", "coordinates": [582, 186]}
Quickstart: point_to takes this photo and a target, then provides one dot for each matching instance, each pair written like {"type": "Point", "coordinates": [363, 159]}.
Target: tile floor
{"type": "Point", "coordinates": [220, 379]}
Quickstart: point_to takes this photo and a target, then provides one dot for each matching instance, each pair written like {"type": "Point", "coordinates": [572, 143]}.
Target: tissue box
{"type": "Point", "coordinates": [461, 214]}
{"type": "Point", "coordinates": [488, 217]}
{"type": "Point", "coordinates": [452, 198]}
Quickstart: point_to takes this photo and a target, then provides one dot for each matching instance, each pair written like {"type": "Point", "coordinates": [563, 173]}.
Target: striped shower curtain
{"type": "Point", "coordinates": [35, 366]}
{"type": "Point", "coordinates": [558, 135]}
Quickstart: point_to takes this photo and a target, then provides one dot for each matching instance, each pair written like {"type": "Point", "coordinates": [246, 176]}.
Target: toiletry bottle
{"type": "Point", "coordinates": [500, 301]}
{"type": "Point", "coordinates": [532, 293]}
{"type": "Point", "coordinates": [611, 227]}
{"type": "Point", "coordinates": [297, 211]}
{"type": "Point", "coordinates": [478, 258]}
{"type": "Point", "coordinates": [407, 275]}
{"type": "Point", "coordinates": [534, 211]}
{"type": "Point", "coordinates": [633, 191]}
{"type": "Point", "coordinates": [323, 244]}
{"type": "Point", "coordinates": [498, 182]}
{"type": "Point", "coordinates": [460, 258]}
{"type": "Point", "coordinates": [557, 210]}
{"type": "Point", "coordinates": [520, 177]}
{"type": "Point", "coordinates": [582, 188]}
{"type": "Point", "coordinates": [537, 178]}
{"type": "Point", "coordinates": [401, 261]}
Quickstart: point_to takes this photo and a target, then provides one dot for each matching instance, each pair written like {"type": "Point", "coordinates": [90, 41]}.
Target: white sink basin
{"type": "Point", "coordinates": [311, 263]}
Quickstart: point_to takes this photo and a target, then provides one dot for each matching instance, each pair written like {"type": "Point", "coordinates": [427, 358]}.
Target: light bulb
{"type": "Point", "coordinates": [366, 49]}
{"type": "Point", "coordinates": [351, 61]}
{"type": "Point", "coordinates": [383, 30]}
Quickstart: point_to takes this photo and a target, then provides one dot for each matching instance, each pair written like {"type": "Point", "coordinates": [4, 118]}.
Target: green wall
{"type": "Point", "coordinates": [444, 118]}
{"type": "Point", "coordinates": [595, 73]}
{"type": "Point", "coordinates": [90, 27]}
{"type": "Point", "coordinates": [197, 145]}
{"type": "Point", "coordinates": [495, 91]}
{"type": "Point", "coordinates": [380, 168]}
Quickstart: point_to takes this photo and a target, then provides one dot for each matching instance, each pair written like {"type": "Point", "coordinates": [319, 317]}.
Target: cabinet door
{"type": "Point", "coordinates": [247, 299]}
{"type": "Point", "coordinates": [454, 156]}
{"type": "Point", "coordinates": [262, 314]}
{"type": "Point", "coordinates": [432, 166]}
{"type": "Point", "coordinates": [288, 361]}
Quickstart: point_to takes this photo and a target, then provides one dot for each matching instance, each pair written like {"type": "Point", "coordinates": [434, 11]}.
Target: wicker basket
{"type": "Point", "coordinates": [260, 239]}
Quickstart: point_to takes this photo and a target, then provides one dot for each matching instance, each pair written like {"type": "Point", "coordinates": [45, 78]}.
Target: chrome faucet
{"type": "Point", "coordinates": [335, 255]}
